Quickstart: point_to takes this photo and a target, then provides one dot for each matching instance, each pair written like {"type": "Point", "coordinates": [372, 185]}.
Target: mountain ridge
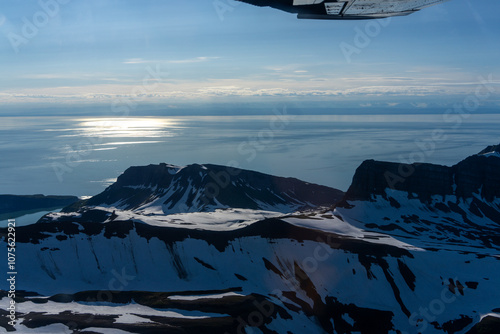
{"type": "Point", "coordinates": [475, 174]}
{"type": "Point", "coordinates": [166, 188]}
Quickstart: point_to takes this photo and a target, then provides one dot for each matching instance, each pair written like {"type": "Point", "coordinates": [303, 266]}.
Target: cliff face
{"type": "Point", "coordinates": [173, 189]}
{"type": "Point", "coordinates": [478, 174]}
{"type": "Point", "coordinates": [492, 149]}
{"type": "Point", "coordinates": [429, 205]}
{"type": "Point", "coordinates": [375, 177]}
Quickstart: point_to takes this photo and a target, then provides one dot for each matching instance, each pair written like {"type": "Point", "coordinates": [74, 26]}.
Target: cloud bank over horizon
{"type": "Point", "coordinates": [68, 52]}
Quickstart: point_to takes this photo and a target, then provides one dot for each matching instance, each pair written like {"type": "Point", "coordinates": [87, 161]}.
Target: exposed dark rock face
{"type": "Point", "coordinates": [206, 187]}
{"type": "Point", "coordinates": [374, 177]}
{"type": "Point", "coordinates": [491, 149]}
{"type": "Point", "coordinates": [477, 174]}
{"type": "Point", "coordinates": [489, 325]}
{"type": "Point", "coordinates": [229, 309]}
{"type": "Point", "coordinates": [430, 203]}
{"type": "Point", "coordinates": [270, 229]}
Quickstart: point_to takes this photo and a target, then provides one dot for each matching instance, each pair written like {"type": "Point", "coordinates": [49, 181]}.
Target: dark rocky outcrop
{"type": "Point", "coordinates": [488, 325]}
{"type": "Point", "coordinates": [477, 174]}
{"type": "Point", "coordinates": [206, 187]}
{"type": "Point", "coordinates": [491, 149]}
{"type": "Point", "coordinates": [374, 177]}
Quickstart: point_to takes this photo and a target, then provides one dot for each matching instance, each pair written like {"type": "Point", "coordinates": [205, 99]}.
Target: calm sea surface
{"type": "Point", "coordinates": [81, 156]}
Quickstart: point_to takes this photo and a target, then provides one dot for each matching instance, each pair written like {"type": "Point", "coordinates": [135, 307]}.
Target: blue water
{"type": "Point", "coordinates": [27, 219]}
{"type": "Point", "coordinates": [81, 156]}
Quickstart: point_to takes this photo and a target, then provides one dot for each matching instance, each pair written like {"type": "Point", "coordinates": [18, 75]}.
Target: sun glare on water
{"type": "Point", "coordinates": [127, 127]}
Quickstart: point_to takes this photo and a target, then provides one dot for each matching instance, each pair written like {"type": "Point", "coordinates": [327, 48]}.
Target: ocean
{"type": "Point", "coordinates": [83, 155]}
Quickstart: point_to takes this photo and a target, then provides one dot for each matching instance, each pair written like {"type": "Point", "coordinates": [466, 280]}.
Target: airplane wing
{"type": "Point", "coordinates": [346, 9]}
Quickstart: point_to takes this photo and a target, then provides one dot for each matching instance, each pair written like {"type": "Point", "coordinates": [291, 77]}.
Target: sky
{"type": "Point", "coordinates": [173, 52]}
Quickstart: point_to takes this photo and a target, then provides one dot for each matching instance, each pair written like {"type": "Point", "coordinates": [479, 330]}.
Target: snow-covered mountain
{"type": "Point", "coordinates": [429, 203]}
{"type": "Point", "coordinates": [417, 256]}
{"type": "Point", "coordinates": [166, 189]}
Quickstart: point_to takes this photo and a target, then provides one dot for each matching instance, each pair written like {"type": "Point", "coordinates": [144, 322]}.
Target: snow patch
{"type": "Point", "coordinates": [216, 296]}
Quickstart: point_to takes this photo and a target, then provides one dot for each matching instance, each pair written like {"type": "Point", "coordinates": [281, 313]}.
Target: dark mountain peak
{"type": "Point", "coordinates": [492, 149]}
{"type": "Point", "coordinates": [174, 189]}
{"type": "Point", "coordinates": [376, 177]}
{"type": "Point", "coordinates": [477, 174]}
{"type": "Point", "coordinates": [147, 175]}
